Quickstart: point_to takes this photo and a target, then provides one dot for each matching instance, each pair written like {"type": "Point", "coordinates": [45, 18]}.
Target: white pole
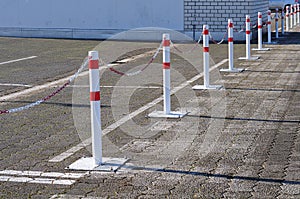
{"type": "Point", "coordinates": [295, 14]}
{"type": "Point", "coordinates": [298, 13]}
{"type": "Point", "coordinates": [248, 34]}
{"type": "Point", "coordinates": [287, 18]}
{"type": "Point", "coordinates": [230, 44]}
{"type": "Point", "coordinates": [282, 22]}
{"type": "Point", "coordinates": [260, 30]}
{"type": "Point", "coordinates": [269, 27]}
{"type": "Point", "coordinates": [291, 16]}
{"type": "Point", "coordinates": [95, 107]}
{"type": "Point", "coordinates": [276, 23]}
{"type": "Point", "coordinates": [206, 55]}
{"type": "Point", "coordinates": [166, 73]}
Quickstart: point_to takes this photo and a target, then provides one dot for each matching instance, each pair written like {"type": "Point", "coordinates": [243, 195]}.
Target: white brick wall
{"type": "Point", "coordinates": [216, 13]}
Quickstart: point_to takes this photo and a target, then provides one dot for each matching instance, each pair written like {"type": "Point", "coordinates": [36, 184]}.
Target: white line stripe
{"type": "Point", "coordinates": [16, 85]}
{"type": "Point", "coordinates": [43, 174]}
{"type": "Point", "coordinates": [125, 87]}
{"type": "Point", "coordinates": [115, 125]}
{"type": "Point", "coordinates": [17, 60]}
{"type": "Point", "coordinates": [37, 88]}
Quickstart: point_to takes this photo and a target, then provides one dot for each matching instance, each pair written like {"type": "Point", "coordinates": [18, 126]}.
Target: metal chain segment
{"type": "Point", "coordinates": [196, 45]}
{"type": "Point", "coordinates": [19, 109]}
{"type": "Point", "coordinates": [136, 72]}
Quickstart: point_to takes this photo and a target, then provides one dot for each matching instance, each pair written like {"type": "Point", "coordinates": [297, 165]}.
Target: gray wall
{"type": "Point", "coordinates": [94, 17]}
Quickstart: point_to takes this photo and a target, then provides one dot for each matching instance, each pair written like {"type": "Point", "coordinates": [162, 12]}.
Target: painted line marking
{"type": "Point", "coordinates": [65, 196]}
{"type": "Point", "coordinates": [17, 60]}
{"type": "Point", "coordinates": [16, 85]}
{"type": "Point", "coordinates": [125, 87]}
{"type": "Point", "coordinates": [128, 117]}
{"type": "Point", "coordinates": [39, 177]}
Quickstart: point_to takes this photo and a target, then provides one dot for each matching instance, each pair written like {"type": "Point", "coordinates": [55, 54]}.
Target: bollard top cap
{"type": "Point", "coordinates": [93, 55]}
{"type": "Point", "coordinates": [166, 36]}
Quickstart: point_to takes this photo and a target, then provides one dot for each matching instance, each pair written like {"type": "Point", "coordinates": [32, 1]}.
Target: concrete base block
{"type": "Point", "coordinates": [171, 115]}
{"type": "Point", "coordinates": [108, 164]}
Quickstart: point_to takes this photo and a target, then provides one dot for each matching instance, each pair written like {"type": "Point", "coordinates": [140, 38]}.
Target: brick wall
{"type": "Point", "coordinates": [215, 13]}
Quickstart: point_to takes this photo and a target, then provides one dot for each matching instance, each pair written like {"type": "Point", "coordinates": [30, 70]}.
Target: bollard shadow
{"type": "Point", "coordinates": [264, 89]}
{"type": "Point", "coordinates": [245, 119]}
{"type": "Point", "coordinates": [56, 104]}
{"type": "Point", "coordinates": [289, 38]}
{"type": "Point", "coordinates": [270, 71]}
{"type": "Point", "coordinates": [210, 175]}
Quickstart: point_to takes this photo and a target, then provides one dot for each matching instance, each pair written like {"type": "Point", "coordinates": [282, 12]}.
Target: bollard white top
{"type": "Point", "coordinates": [166, 36]}
{"type": "Point", "coordinates": [93, 55]}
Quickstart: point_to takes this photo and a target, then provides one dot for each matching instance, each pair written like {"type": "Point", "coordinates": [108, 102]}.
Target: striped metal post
{"type": "Point", "coordinates": [166, 113]}
{"type": "Point", "coordinates": [166, 73]}
{"type": "Point", "coordinates": [298, 13]}
{"type": "Point", "coordinates": [269, 27]}
{"type": "Point", "coordinates": [276, 23]}
{"type": "Point", "coordinates": [94, 77]}
{"type": "Point", "coordinates": [231, 50]}
{"type": "Point", "coordinates": [287, 26]}
{"type": "Point", "coordinates": [295, 14]}
{"type": "Point", "coordinates": [206, 63]}
{"type": "Point", "coordinates": [248, 41]}
{"type": "Point", "coordinates": [260, 35]}
{"type": "Point", "coordinates": [291, 17]}
{"type": "Point", "coordinates": [282, 22]}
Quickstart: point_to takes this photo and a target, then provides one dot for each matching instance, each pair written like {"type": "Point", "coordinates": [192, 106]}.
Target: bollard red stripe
{"type": "Point", "coordinates": [94, 64]}
{"type": "Point", "coordinates": [205, 49]}
{"type": "Point", "coordinates": [248, 20]}
{"type": "Point", "coordinates": [259, 27]}
{"type": "Point", "coordinates": [230, 25]}
{"type": "Point", "coordinates": [205, 32]}
{"type": "Point", "coordinates": [166, 43]}
{"type": "Point", "coordinates": [166, 65]}
{"type": "Point", "coordinates": [259, 16]}
{"type": "Point", "coordinates": [95, 96]}
{"type": "Point", "coordinates": [269, 22]}
{"type": "Point", "coordinates": [230, 39]}
{"type": "Point", "coordinates": [248, 32]}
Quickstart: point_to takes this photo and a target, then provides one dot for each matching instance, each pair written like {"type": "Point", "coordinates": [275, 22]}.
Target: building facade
{"type": "Point", "coordinates": [99, 19]}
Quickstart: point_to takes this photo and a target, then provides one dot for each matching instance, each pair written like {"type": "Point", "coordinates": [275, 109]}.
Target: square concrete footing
{"type": "Point", "coordinates": [209, 87]}
{"type": "Point", "coordinates": [108, 164]}
{"type": "Point", "coordinates": [171, 115]}
{"type": "Point", "coordinates": [234, 70]}
{"type": "Point", "coordinates": [249, 59]}
{"type": "Point", "coordinates": [260, 49]}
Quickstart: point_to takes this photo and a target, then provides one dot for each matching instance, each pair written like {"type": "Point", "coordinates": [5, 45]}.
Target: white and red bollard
{"type": "Point", "coordinates": [291, 17]}
{"type": "Point", "coordinates": [269, 23]}
{"type": "Point", "coordinates": [276, 24]}
{"type": "Point", "coordinates": [96, 162]}
{"type": "Point", "coordinates": [231, 51]}
{"type": "Point", "coordinates": [287, 18]}
{"type": "Point", "coordinates": [206, 63]}
{"type": "Point", "coordinates": [295, 14]}
{"type": "Point", "coordinates": [167, 83]}
{"type": "Point", "coordinates": [260, 36]}
{"type": "Point", "coordinates": [298, 13]}
{"type": "Point", "coordinates": [95, 107]}
{"type": "Point", "coordinates": [248, 41]}
{"type": "Point", "coordinates": [282, 22]}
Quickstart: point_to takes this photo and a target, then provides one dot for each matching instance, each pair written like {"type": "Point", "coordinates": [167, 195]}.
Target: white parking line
{"type": "Point", "coordinates": [118, 123]}
{"type": "Point", "coordinates": [16, 85]}
{"type": "Point", "coordinates": [39, 177]}
{"type": "Point", "coordinates": [17, 60]}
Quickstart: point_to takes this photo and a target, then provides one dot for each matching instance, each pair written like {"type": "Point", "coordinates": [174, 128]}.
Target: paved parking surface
{"type": "Point", "coordinates": [239, 142]}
